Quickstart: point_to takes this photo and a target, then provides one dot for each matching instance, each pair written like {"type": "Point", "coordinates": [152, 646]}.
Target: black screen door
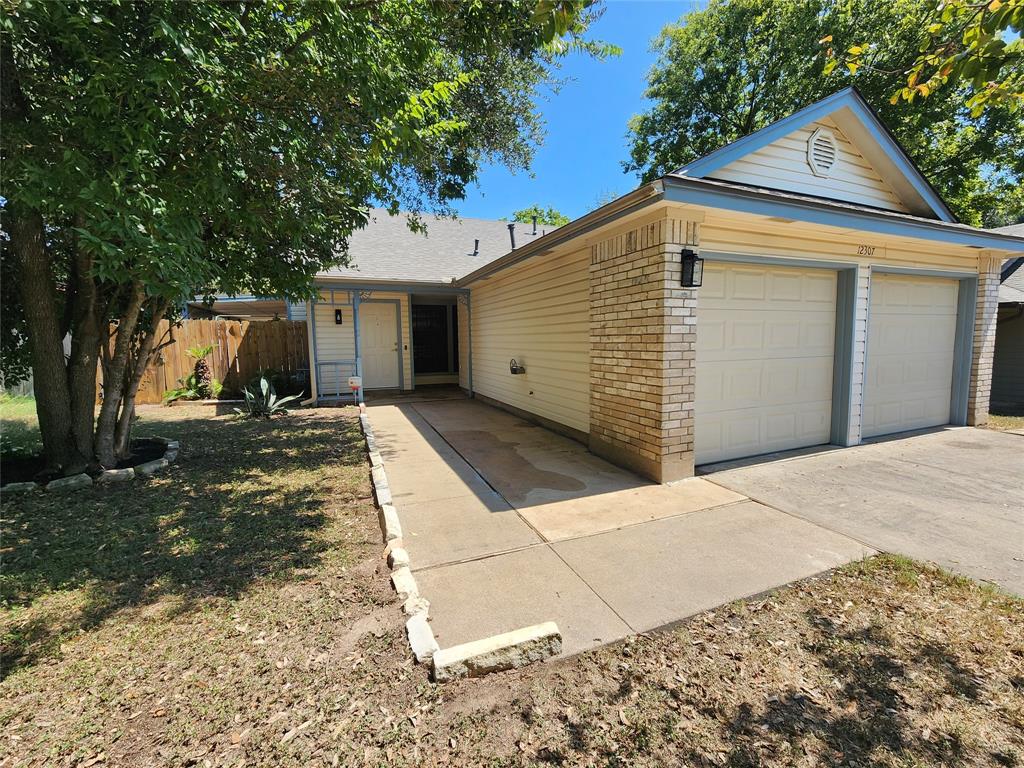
{"type": "Point", "coordinates": [430, 338]}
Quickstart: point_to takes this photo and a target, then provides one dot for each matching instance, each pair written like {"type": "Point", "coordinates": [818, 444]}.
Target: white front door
{"type": "Point", "coordinates": [765, 342]}
{"type": "Point", "coordinates": [378, 345]}
{"type": "Point", "coordinates": [909, 374]}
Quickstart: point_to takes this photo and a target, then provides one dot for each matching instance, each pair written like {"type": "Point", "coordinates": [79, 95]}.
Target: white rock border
{"type": "Point", "coordinates": [417, 627]}
{"type": "Point", "coordinates": [509, 650]}
{"type": "Point", "coordinates": [107, 477]}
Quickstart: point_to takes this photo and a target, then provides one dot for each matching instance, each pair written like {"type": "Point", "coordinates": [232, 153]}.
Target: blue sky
{"type": "Point", "coordinates": [581, 158]}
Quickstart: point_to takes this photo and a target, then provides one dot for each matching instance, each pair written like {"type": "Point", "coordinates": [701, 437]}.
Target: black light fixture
{"type": "Point", "coordinates": [337, 317]}
{"type": "Point", "coordinates": [693, 269]}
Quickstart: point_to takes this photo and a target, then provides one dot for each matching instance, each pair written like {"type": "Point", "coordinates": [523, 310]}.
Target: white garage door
{"type": "Point", "coordinates": [909, 374]}
{"type": "Point", "coordinates": [765, 341]}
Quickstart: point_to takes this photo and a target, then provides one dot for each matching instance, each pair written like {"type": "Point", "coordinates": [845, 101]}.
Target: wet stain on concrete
{"type": "Point", "coordinates": [508, 472]}
{"type": "Point", "coordinates": [970, 446]}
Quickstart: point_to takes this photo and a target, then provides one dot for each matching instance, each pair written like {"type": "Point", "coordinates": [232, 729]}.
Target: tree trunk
{"type": "Point", "coordinates": [39, 298]}
{"type": "Point", "coordinates": [122, 436]}
{"type": "Point", "coordinates": [113, 380]}
{"type": "Point", "coordinates": [85, 346]}
{"type": "Point", "coordinates": [38, 291]}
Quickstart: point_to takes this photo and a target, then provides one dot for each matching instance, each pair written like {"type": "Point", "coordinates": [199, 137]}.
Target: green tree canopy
{"type": "Point", "coordinates": [549, 215]}
{"type": "Point", "coordinates": [734, 67]}
{"type": "Point", "coordinates": [976, 42]}
{"type": "Point", "coordinates": [157, 150]}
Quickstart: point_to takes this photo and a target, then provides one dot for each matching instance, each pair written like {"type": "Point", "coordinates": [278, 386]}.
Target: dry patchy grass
{"type": "Point", "coordinates": [996, 421]}
{"type": "Point", "coordinates": [236, 612]}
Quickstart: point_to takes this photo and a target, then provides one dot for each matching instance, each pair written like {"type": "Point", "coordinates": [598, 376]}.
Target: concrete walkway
{"type": "Point", "coordinates": [952, 496]}
{"type": "Point", "coordinates": [508, 524]}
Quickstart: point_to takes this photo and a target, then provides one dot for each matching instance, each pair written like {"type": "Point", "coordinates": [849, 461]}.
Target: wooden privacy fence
{"type": "Point", "coordinates": [241, 350]}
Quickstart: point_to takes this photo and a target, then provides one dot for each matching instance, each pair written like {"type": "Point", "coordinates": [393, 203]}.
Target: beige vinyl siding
{"type": "Point", "coordinates": [783, 165]}
{"type": "Point", "coordinates": [758, 236]}
{"type": "Point", "coordinates": [538, 313]}
{"type": "Point", "coordinates": [334, 342]}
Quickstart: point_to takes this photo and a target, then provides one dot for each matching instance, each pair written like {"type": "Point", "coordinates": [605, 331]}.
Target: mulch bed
{"type": "Point", "coordinates": [24, 469]}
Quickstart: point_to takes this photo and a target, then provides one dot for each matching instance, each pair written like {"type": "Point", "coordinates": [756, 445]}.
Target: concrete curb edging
{"type": "Point", "coordinates": [509, 650]}
{"type": "Point", "coordinates": [106, 477]}
{"type": "Point", "coordinates": [417, 627]}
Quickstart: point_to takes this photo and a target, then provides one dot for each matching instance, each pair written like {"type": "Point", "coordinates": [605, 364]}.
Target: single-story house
{"type": "Point", "coordinates": [1008, 363]}
{"type": "Point", "coordinates": [839, 300]}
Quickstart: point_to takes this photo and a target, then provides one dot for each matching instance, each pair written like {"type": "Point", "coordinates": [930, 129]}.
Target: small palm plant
{"type": "Point", "coordinates": [262, 402]}
{"type": "Point", "coordinates": [201, 370]}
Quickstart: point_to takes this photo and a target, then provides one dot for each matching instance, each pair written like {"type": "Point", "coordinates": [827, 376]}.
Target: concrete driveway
{"type": "Point", "coordinates": [508, 524]}
{"type": "Point", "coordinates": [953, 496]}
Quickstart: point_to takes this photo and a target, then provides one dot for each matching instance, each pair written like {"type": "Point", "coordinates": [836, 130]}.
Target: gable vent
{"type": "Point", "coordinates": [822, 152]}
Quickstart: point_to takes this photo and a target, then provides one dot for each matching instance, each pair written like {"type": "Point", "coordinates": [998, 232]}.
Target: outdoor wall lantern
{"type": "Point", "coordinates": [693, 269]}
{"type": "Point", "coordinates": [337, 317]}
{"type": "Point", "coordinates": [515, 368]}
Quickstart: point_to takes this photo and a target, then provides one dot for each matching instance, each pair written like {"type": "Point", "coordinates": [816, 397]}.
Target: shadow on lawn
{"type": "Point", "coordinates": [874, 716]}
{"type": "Point", "coordinates": [244, 505]}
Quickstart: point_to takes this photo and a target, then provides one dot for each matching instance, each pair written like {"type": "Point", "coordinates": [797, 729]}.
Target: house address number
{"type": "Point", "coordinates": [865, 250]}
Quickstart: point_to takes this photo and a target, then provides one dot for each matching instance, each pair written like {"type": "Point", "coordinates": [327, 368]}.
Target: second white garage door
{"type": "Point", "coordinates": [911, 336]}
{"type": "Point", "coordinates": [765, 346]}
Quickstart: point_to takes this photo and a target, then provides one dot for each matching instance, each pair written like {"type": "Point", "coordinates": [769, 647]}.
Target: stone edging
{"type": "Point", "coordinates": [76, 482]}
{"type": "Point", "coordinates": [509, 650]}
{"type": "Point", "coordinates": [417, 626]}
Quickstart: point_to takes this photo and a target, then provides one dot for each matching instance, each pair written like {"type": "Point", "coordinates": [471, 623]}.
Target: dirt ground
{"type": "Point", "coordinates": [236, 612]}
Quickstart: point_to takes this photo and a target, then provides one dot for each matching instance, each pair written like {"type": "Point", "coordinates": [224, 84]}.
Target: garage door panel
{"type": "Point", "coordinates": [911, 336]}
{"type": "Point", "coordinates": [728, 335]}
{"type": "Point", "coordinates": [765, 345]}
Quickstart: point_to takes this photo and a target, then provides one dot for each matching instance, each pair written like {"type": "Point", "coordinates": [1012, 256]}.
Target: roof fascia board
{"type": "Point", "coordinates": [598, 219]}
{"type": "Point", "coordinates": [744, 201]}
{"type": "Point", "coordinates": [902, 169]}
{"type": "Point", "coordinates": [1011, 268]}
{"type": "Point", "coordinates": [399, 286]}
{"type": "Point", "coordinates": [873, 128]}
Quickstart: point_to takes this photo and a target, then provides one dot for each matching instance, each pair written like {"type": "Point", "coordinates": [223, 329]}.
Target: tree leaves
{"type": "Point", "coordinates": [705, 93]}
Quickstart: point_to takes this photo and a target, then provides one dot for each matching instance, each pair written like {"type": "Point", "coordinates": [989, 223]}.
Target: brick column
{"type": "Point", "coordinates": [985, 316]}
{"type": "Point", "coordinates": [643, 349]}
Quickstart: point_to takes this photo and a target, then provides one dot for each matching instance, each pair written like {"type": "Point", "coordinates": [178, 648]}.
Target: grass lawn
{"type": "Point", "coordinates": [1005, 422]}
{"type": "Point", "coordinates": [19, 429]}
{"type": "Point", "coordinates": [235, 610]}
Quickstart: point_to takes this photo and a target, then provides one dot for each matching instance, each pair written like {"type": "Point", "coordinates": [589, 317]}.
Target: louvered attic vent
{"type": "Point", "coordinates": [822, 152]}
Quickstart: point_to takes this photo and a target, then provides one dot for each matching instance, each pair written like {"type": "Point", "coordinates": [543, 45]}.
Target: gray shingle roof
{"type": "Point", "coordinates": [386, 249]}
{"type": "Point", "coordinates": [1011, 290]}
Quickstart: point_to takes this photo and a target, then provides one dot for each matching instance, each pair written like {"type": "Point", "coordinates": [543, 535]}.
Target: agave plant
{"type": "Point", "coordinates": [263, 402]}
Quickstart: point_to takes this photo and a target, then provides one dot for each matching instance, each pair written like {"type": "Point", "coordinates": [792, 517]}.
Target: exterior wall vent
{"type": "Point", "coordinates": [822, 152]}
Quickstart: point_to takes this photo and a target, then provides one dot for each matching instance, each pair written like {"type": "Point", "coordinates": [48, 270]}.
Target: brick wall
{"type": "Point", "coordinates": [985, 316]}
{"type": "Point", "coordinates": [643, 348]}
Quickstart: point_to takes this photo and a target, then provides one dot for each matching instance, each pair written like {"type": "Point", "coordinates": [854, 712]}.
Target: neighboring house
{"type": "Point", "coordinates": [840, 301]}
{"type": "Point", "coordinates": [1008, 363]}
{"type": "Point", "coordinates": [246, 308]}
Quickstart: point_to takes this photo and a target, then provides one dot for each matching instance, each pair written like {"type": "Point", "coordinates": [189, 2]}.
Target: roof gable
{"type": "Point", "coordinates": [852, 158]}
